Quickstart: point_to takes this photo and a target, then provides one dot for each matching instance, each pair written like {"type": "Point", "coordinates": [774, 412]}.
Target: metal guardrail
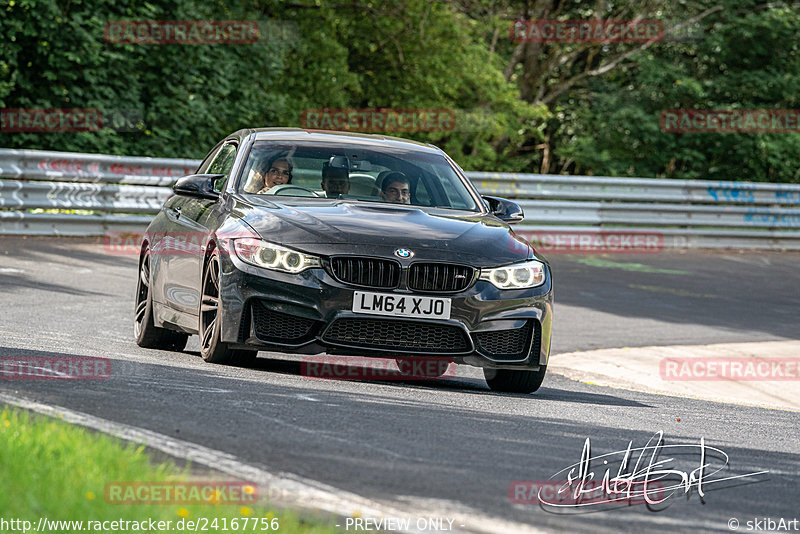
{"type": "Point", "coordinates": [118, 190]}
{"type": "Point", "coordinates": [601, 188]}
{"type": "Point", "coordinates": [683, 213]}
{"type": "Point", "coordinates": [121, 192]}
{"type": "Point", "coordinates": [19, 223]}
{"type": "Point", "coordinates": [22, 195]}
{"type": "Point", "coordinates": [92, 168]}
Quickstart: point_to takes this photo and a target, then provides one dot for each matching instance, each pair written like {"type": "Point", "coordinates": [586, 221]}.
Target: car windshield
{"type": "Point", "coordinates": [345, 171]}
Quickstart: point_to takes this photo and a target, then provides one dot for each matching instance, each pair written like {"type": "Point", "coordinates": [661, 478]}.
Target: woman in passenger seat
{"type": "Point", "coordinates": [277, 171]}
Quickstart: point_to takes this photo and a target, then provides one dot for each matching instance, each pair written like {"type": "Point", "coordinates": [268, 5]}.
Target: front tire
{"type": "Point", "coordinates": [147, 334]}
{"type": "Point", "coordinates": [514, 381]}
{"type": "Point", "coordinates": [211, 348]}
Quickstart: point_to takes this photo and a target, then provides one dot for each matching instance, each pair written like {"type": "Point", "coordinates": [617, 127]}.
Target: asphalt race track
{"type": "Point", "coordinates": [449, 446]}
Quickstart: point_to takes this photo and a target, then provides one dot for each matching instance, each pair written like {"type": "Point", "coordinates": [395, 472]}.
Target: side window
{"type": "Point", "coordinates": [448, 183]}
{"type": "Point", "coordinates": [454, 195]}
{"type": "Point", "coordinates": [222, 164]}
{"type": "Point", "coordinates": [206, 162]}
{"type": "Point", "coordinates": [421, 195]}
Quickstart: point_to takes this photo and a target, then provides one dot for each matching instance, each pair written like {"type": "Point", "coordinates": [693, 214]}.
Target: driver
{"type": "Point", "coordinates": [335, 180]}
{"type": "Point", "coordinates": [277, 171]}
{"type": "Point", "coordinates": [396, 188]}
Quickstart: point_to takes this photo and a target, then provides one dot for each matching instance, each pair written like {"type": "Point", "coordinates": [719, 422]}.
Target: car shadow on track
{"type": "Point", "coordinates": [461, 384]}
{"type": "Point", "coordinates": [356, 373]}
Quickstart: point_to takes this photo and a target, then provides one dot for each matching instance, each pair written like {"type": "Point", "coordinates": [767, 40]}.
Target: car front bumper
{"type": "Point", "coordinates": [311, 313]}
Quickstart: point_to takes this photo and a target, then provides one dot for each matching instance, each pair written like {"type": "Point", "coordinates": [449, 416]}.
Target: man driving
{"type": "Point", "coordinates": [396, 188]}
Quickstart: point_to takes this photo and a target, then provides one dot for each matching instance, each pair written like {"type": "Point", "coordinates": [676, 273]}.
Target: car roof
{"type": "Point", "coordinates": [301, 135]}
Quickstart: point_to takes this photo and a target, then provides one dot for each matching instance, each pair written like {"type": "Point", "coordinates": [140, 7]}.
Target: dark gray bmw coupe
{"type": "Point", "coordinates": [306, 241]}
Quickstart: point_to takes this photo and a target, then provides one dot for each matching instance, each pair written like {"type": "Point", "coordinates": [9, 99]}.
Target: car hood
{"type": "Point", "coordinates": [330, 226]}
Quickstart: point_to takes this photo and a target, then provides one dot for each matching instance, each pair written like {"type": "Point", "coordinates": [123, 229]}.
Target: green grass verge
{"type": "Point", "coordinates": [50, 469]}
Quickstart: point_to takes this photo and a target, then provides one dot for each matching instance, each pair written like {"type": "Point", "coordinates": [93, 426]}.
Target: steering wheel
{"type": "Point", "coordinates": [290, 190]}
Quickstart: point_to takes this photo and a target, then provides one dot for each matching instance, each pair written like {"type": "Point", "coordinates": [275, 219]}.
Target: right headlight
{"type": "Point", "coordinates": [272, 256]}
{"type": "Point", "coordinates": [518, 276]}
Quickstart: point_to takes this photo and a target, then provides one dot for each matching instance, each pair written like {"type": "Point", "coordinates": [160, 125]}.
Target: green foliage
{"type": "Point", "coordinates": [185, 97]}
{"type": "Point", "coordinates": [178, 100]}
{"type": "Point", "coordinates": [181, 98]}
{"type": "Point", "coordinates": [746, 58]}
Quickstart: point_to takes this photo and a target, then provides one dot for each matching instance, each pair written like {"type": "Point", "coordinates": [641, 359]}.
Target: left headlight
{"type": "Point", "coordinates": [518, 276]}
{"type": "Point", "coordinates": [274, 257]}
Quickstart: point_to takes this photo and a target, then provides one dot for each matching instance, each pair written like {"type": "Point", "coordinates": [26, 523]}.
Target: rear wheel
{"type": "Point", "coordinates": [147, 334]}
{"type": "Point", "coordinates": [211, 348]}
{"type": "Point", "coordinates": [514, 381]}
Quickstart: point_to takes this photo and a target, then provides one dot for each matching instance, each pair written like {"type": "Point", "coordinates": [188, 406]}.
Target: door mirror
{"type": "Point", "coordinates": [198, 186]}
{"type": "Point", "coordinates": [505, 209]}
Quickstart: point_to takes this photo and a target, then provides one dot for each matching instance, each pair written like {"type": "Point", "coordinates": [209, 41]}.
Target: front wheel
{"type": "Point", "coordinates": [514, 381]}
{"type": "Point", "coordinates": [147, 334]}
{"type": "Point", "coordinates": [211, 348]}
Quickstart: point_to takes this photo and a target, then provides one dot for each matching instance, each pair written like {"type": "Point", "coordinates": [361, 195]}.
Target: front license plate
{"type": "Point", "coordinates": [401, 305]}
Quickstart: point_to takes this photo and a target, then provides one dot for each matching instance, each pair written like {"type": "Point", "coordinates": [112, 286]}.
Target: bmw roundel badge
{"type": "Point", "coordinates": [403, 253]}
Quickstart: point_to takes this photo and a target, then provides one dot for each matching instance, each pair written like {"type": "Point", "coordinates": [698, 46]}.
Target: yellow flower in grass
{"type": "Point", "coordinates": [183, 512]}
{"type": "Point", "coordinates": [245, 511]}
{"type": "Point", "coordinates": [90, 495]}
{"type": "Point", "coordinates": [214, 498]}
